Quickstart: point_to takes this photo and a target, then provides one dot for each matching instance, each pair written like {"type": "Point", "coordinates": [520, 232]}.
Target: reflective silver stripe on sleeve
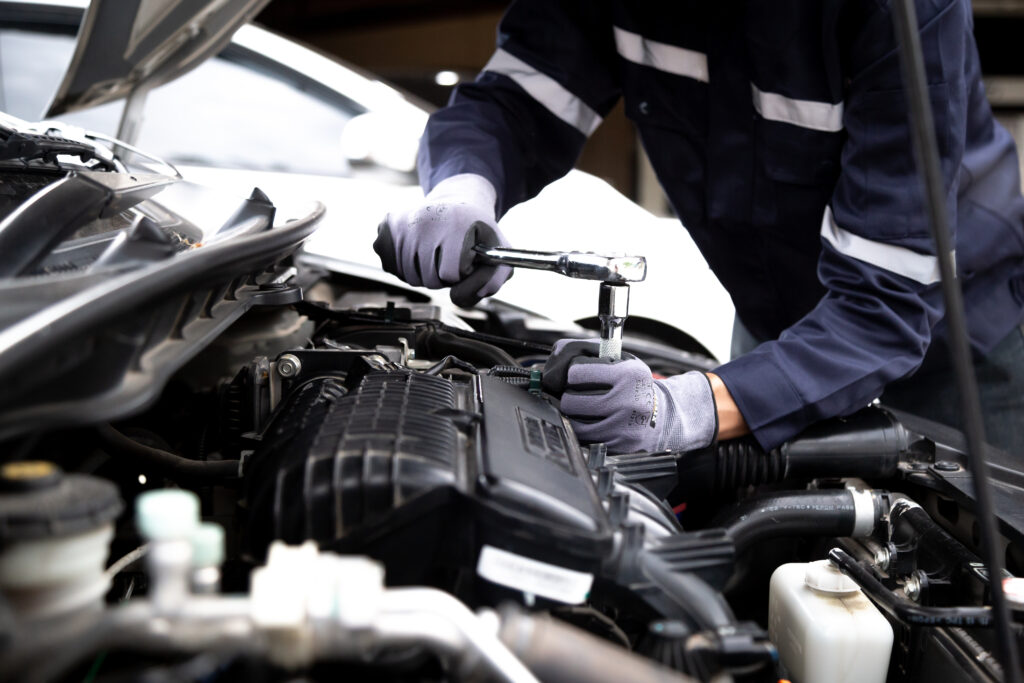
{"type": "Point", "coordinates": [547, 91]}
{"type": "Point", "coordinates": [661, 56]}
{"type": "Point", "coordinates": [804, 113]}
{"type": "Point", "coordinates": [899, 260]}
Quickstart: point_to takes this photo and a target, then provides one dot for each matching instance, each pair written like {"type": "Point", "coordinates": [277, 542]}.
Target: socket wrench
{"type": "Point", "coordinates": [615, 272]}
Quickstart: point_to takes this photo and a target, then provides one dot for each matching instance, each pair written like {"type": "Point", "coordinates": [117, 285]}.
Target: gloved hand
{"type": "Point", "coordinates": [432, 245]}
{"type": "Point", "coordinates": [621, 404]}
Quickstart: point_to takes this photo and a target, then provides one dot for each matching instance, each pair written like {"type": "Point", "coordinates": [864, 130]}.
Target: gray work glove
{"type": "Point", "coordinates": [621, 404]}
{"type": "Point", "coordinates": [432, 244]}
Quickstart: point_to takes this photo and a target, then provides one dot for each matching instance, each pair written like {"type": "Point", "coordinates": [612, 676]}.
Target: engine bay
{"type": "Point", "coordinates": [225, 458]}
{"type": "Point", "coordinates": [396, 498]}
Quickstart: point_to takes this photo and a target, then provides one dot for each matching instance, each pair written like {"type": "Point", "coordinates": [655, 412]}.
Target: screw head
{"type": "Point", "coordinates": [882, 558]}
{"type": "Point", "coordinates": [605, 481]}
{"type": "Point", "coordinates": [288, 365]}
{"type": "Point", "coordinates": [912, 587]}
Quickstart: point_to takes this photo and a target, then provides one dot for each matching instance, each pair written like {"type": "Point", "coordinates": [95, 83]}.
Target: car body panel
{"type": "Point", "coordinates": [138, 44]}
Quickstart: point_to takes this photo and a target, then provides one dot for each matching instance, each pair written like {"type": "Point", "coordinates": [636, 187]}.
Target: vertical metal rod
{"type": "Point", "coordinates": [132, 117]}
{"type": "Point", "coordinates": [927, 155]}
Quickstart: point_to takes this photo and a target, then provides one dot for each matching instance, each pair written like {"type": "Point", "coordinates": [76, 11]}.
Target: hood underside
{"type": "Point", "coordinates": [124, 45]}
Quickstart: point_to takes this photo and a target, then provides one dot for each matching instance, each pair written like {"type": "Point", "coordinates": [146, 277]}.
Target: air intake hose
{"type": "Point", "coordinates": [869, 443]}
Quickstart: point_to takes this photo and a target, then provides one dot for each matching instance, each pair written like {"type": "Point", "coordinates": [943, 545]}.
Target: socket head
{"type": "Point", "coordinates": [619, 268]}
{"type": "Point", "coordinates": [613, 300]}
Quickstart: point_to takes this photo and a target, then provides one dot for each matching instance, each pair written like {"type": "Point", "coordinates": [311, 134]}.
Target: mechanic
{"type": "Point", "coordinates": [779, 131]}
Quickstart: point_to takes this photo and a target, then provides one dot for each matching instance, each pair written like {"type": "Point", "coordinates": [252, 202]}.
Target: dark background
{"type": "Point", "coordinates": [407, 42]}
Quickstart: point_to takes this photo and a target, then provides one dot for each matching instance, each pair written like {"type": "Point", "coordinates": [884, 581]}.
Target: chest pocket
{"type": "Point", "coordinates": [663, 100]}
{"type": "Point", "coordinates": [793, 155]}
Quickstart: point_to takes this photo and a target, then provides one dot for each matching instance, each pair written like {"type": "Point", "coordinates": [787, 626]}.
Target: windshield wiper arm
{"type": "Point", "coordinates": [22, 146]}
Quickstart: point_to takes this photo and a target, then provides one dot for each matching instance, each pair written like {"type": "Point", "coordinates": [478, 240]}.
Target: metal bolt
{"type": "Point", "coordinates": [947, 466]}
{"type": "Point", "coordinates": [882, 558]}
{"type": "Point", "coordinates": [912, 587]}
{"type": "Point", "coordinates": [605, 481]}
{"type": "Point", "coordinates": [618, 508]}
{"type": "Point", "coordinates": [288, 365]}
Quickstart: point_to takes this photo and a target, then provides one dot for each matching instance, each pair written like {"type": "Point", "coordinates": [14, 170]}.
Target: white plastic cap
{"type": "Point", "coordinates": [825, 577]}
{"type": "Point", "coordinates": [167, 514]}
{"type": "Point", "coordinates": [280, 589]}
{"type": "Point", "coordinates": [300, 586]}
{"type": "Point", "coordinates": [208, 545]}
{"type": "Point", "coordinates": [299, 582]}
{"type": "Point", "coordinates": [279, 602]}
{"type": "Point", "coordinates": [360, 587]}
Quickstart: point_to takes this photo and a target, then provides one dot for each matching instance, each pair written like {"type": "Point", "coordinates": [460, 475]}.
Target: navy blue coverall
{"type": "Point", "coordinates": [779, 131]}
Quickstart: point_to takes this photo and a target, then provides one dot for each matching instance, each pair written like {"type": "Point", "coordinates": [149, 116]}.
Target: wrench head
{"type": "Point", "coordinates": [605, 267]}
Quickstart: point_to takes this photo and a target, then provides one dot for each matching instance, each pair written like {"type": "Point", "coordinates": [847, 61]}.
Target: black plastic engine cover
{"type": "Point", "coordinates": [422, 472]}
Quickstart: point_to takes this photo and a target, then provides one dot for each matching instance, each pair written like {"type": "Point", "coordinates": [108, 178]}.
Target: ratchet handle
{"type": "Point", "coordinates": [583, 265]}
{"type": "Point", "coordinates": [517, 258]}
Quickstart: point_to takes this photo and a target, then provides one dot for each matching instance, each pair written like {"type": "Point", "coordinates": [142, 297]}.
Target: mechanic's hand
{"type": "Point", "coordinates": [432, 244]}
{"type": "Point", "coordinates": [621, 404]}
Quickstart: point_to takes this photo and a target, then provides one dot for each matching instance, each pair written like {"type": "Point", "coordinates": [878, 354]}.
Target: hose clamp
{"type": "Point", "coordinates": [864, 512]}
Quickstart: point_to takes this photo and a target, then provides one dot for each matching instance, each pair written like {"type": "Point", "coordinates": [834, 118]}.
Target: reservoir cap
{"type": "Point", "coordinates": [825, 577]}
{"type": "Point", "coordinates": [38, 500]}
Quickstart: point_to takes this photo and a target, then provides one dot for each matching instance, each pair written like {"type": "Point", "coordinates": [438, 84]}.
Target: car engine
{"type": "Point", "coordinates": [227, 459]}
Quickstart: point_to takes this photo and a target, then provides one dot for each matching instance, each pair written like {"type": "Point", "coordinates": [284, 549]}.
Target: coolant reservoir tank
{"type": "Point", "coordinates": [826, 630]}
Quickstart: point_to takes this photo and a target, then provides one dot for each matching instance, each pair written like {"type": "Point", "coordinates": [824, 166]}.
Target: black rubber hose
{"type": "Point", "coordinates": [435, 342]}
{"type": "Point", "coordinates": [705, 606]}
{"type": "Point", "coordinates": [908, 611]}
{"type": "Point", "coordinates": [522, 347]}
{"type": "Point", "coordinates": [868, 444]}
{"type": "Point", "coordinates": [926, 149]}
{"type": "Point", "coordinates": [166, 464]}
{"type": "Point", "coordinates": [936, 552]}
{"type": "Point", "coordinates": [796, 513]}
{"type": "Point", "coordinates": [449, 362]}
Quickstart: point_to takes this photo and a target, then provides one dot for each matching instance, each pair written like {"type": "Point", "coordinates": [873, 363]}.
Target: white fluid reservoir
{"type": "Point", "coordinates": [825, 628]}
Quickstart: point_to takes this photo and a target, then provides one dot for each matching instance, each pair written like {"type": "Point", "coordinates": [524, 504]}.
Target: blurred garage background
{"type": "Point", "coordinates": [427, 46]}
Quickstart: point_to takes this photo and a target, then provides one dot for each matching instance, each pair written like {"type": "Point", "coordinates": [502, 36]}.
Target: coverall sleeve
{"type": "Point", "coordinates": [878, 262]}
{"type": "Point", "coordinates": [522, 123]}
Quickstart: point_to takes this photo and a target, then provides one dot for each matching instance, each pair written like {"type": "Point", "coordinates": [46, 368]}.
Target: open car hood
{"type": "Point", "coordinates": [127, 44]}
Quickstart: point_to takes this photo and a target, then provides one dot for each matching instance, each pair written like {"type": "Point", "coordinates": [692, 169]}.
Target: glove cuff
{"type": "Point", "coordinates": [687, 412]}
{"type": "Point", "coordinates": [469, 188]}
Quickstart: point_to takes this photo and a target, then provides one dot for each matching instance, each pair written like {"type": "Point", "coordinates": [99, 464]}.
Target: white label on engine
{"type": "Point", "coordinates": [533, 576]}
